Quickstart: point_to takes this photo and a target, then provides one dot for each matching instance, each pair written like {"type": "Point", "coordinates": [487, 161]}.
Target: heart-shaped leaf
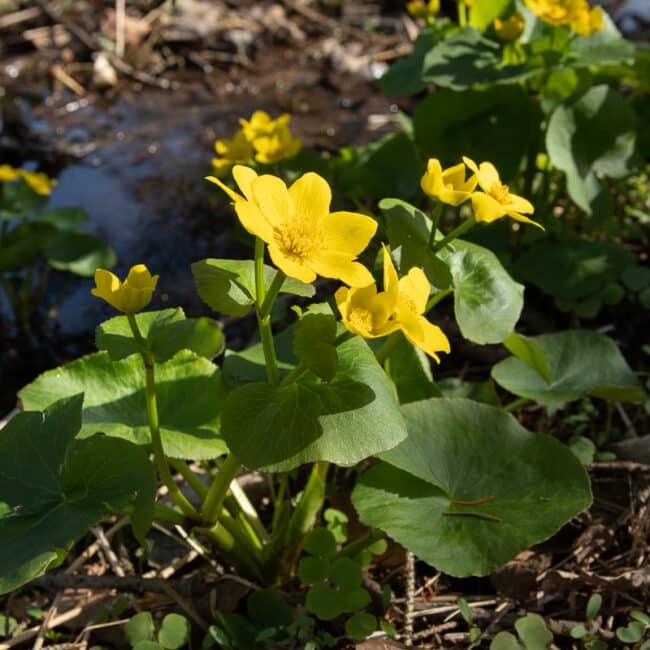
{"type": "Point", "coordinates": [343, 421]}
{"type": "Point", "coordinates": [469, 488]}
{"type": "Point", "coordinates": [578, 362]}
{"type": "Point", "coordinates": [55, 487]}
{"type": "Point", "coordinates": [189, 389]}
{"type": "Point", "coordinates": [228, 286]}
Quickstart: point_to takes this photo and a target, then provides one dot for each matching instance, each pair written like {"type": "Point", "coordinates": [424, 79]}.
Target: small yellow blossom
{"type": "Point", "coordinates": [271, 139]}
{"type": "Point", "coordinates": [577, 14]}
{"type": "Point", "coordinates": [448, 186]}
{"type": "Point", "coordinates": [496, 201]}
{"type": "Point", "coordinates": [303, 237]}
{"type": "Point", "coordinates": [9, 173]}
{"type": "Point", "coordinates": [129, 296]}
{"type": "Point", "coordinates": [231, 152]}
{"type": "Point", "coordinates": [588, 22]}
{"type": "Point", "coordinates": [401, 306]}
{"type": "Point", "coordinates": [509, 29]}
{"type": "Point", "coordinates": [424, 11]}
{"type": "Point", "coordinates": [259, 124]}
{"type": "Point", "coordinates": [39, 182]}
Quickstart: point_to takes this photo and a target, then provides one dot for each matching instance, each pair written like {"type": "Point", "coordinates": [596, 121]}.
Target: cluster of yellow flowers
{"type": "Point", "coordinates": [305, 240]}
{"type": "Point", "coordinates": [577, 14]}
{"type": "Point", "coordinates": [38, 181]}
{"type": "Point", "coordinates": [493, 201]}
{"type": "Point", "coordinates": [259, 139]}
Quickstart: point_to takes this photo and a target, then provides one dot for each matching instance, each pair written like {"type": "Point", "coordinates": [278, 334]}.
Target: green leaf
{"type": "Point", "coordinates": [7, 625]}
{"type": "Point", "coordinates": [460, 450]}
{"type": "Point", "coordinates": [337, 523]}
{"type": "Point", "coordinates": [64, 218]}
{"type": "Point", "coordinates": [594, 135]}
{"type": "Point", "coordinates": [352, 417]}
{"type": "Point", "coordinates": [313, 344]}
{"type": "Point", "coordinates": [467, 58]}
{"type": "Point", "coordinates": [635, 614]}
{"type": "Point", "coordinates": [360, 625]}
{"type": "Point", "coordinates": [24, 244]}
{"type": "Point", "coordinates": [408, 234]}
{"type": "Point", "coordinates": [346, 573]}
{"type": "Point", "coordinates": [483, 12]}
{"type": "Point", "coordinates": [593, 607]}
{"type": "Point", "coordinates": [583, 448]}
{"type": "Point", "coordinates": [487, 301]}
{"type": "Point", "coordinates": [189, 389]}
{"type": "Point", "coordinates": [527, 350]}
{"type": "Point", "coordinates": [465, 611]}
{"type": "Point", "coordinates": [600, 48]}
{"type": "Point", "coordinates": [321, 542]}
{"type": "Point", "coordinates": [580, 362]}
{"type": "Point", "coordinates": [268, 608]}
{"type": "Point", "coordinates": [632, 633]}
{"type": "Point", "coordinates": [353, 600]}
{"type": "Point", "coordinates": [174, 631]}
{"type": "Point", "coordinates": [312, 570]}
{"type": "Point", "coordinates": [79, 253]}
{"type": "Point", "coordinates": [505, 641]}
{"type": "Point", "coordinates": [147, 645]}
{"type": "Point", "coordinates": [636, 277]}
{"type": "Point", "coordinates": [324, 601]}
{"type": "Point", "coordinates": [494, 124]}
{"type": "Point", "coordinates": [410, 370]}
{"type": "Point", "coordinates": [56, 487]}
{"type": "Point", "coordinates": [479, 391]}
{"type": "Point", "coordinates": [228, 286]}
{"type": "Point", "coordinates": [139, 628]}
{"type": "Point", "coordinates": [578, 631]}
{"type": "Point", "coordinates": [533, 632]}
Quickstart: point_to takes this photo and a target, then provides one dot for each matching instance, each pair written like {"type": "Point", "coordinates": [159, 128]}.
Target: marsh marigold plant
{"type": "Point", "coordinates": [304, 238]}
{"type": "Point", "coordinates": [130, 296]}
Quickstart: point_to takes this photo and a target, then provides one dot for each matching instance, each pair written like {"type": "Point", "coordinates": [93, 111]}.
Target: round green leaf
{"type": "Point", "coordinates": [595, 134]}
{"type": "Point", "coordinates": [79, 253]}
{"type": "Point", "coordinates": [24, 244]}
{"type": "Point", "coordinates": [64, 218]}
{"type": "Point", "coordinates": [313, 569]}
{"type": "Point", "coordinates": [578, 631]}
{"type": "Point", "coordinates": [354, 599]}
{"type": "Point", "coordinates": [636, 277]}
{"type": "Point", "coordinates": [57, 486]}
{"type": "Point", "coordinates": [139, 628]}
{"type": "Point", "coordinates": [189, 391]}
{"type": "Point", "coordinates": [360, 625]}
{"type": "Point", "coordinates": [511, 487]}
{"type": "Point", "coordinates": [345, 573]}
{"type": "Point", "coordinates": [321, 542]}
{"type": "Point", "coordinates": [487, 301]}
{"type": "Point", "coordinates": [632, 633]}
{"type": "Point", "coordinates": [580, 362]}
{"type": "Point", "coordinates": [352, 417]}
{"type": "Point", "coordinates": [505, 641]}
{"type": "Point", "coordinates": [147, 645]}
{"type": "Point", "coordinates": [533, 632]}
{"type": "Point", "coordinates": [174, 631]}
{"type": "Point", "coordinates": [324, 601]}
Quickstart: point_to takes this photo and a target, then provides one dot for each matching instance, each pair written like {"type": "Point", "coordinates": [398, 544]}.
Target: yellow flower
{"type": "Point", "coordinates": [496, 201]}
{"type": "Point", "coordinates": [39, 182]}
{"type": "Point", "coordinates": [425, 11]}
{"type": "Point", "coordinates": [9, 173]}
{"type": "Point", "coordinates": [588, 21]}
{"type": "Point", "coordinates": [575, 13]}
{"type": "Point", "coordinates": [271, 139]}
{"type": "Point", "coordinates": [448, 186]}
{"type": "Point", "coordinates": [303, 237]}
{"type": "Point", "coordinates": [511, 28]}
{"type": "Point", "coordinates": [236, 150]}
{"type": "Point", "coordinates": [400, 306]}
{"type": "Point", "coordinates": [129, 296]}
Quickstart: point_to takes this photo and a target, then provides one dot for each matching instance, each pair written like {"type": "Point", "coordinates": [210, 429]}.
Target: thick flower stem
{"type": "Point", "coordinates": [387, 348]}
{"type": "Point", "coordinates": [154, 426]}
{"type": "Point", "coordinates": [213, 502]}
{"type": "Point", "coordinates": [437, 297]}
{"type": "Point", "coordinates": [264, 321]}
{"type": "Point", "coordinates": [454, 234]}
{"type": "Point", "coordinates": [436, 213]}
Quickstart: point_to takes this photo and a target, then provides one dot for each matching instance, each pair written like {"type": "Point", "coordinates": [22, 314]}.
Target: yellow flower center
{"type": "Point", "coordinates": [298, 240]}
{"type": "Point", "coordinates": [500, 192]}
{"type": "Point", "coordinates": [361, 319]}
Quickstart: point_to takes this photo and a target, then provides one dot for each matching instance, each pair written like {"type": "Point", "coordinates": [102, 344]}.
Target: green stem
{"type": "Point", "coordinates": [213, 502]}
{"type": "Point", "coordinates": [264, 322]}
{"type": "Point", "coordinates": [271, 294]}
{"type": "Point", "coordinates": [154, 426]}
{"type": "Point", "coordinates": [361, 543]}
{"type": "Point", "coordinates": [436, 213]}
{"type": "Point", "coordinates": [163, 512]}
{"type": "Point", "coordinates": [436, 298]}
{"type": "Point", "coordinates": [517, 404]}
{"type": "Point", "coordinates": [462, 13]}
{"type": "Point", "coordinates": [228, 545]}
{"type": "Point", "coordinates": [455, 233]}
{"type": "Point", "coordinates": [387, 348]}
{"type": "Point", "coordinates": [231, 505]}
{"type": "Point", "coordinates": [192, 478]}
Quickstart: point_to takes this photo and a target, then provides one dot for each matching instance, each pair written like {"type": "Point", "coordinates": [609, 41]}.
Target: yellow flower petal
{"type": "Point", "coordinates": [332, 264]}
{"type": "Point", "coordinates": [253, 221]}
{"type": "Point", "coordinates": [311, 197]}
{"type": "Point", "coordinates": [486, 208]}
{"type": "Point", "coordinates": [348, 232]}
{"type": "Point", "coordinates": [244, 177]}
{"type": "Point", "coordinates": [519, 204]}
{"type": "Point", "coordinates": [272, 197]}
{"type": "Point", "coordinates": [520, 217]}
{"type": "Point", "coordinates": [290, 267]}
{"type": "Point", "coordinates": [231, 193]}
{"type": "Point", "coordinates": [129, 296]}
{"type": "Point", "coordinates": [414, 289]}
{"type": "Point", "coordinates": [9, 173]}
